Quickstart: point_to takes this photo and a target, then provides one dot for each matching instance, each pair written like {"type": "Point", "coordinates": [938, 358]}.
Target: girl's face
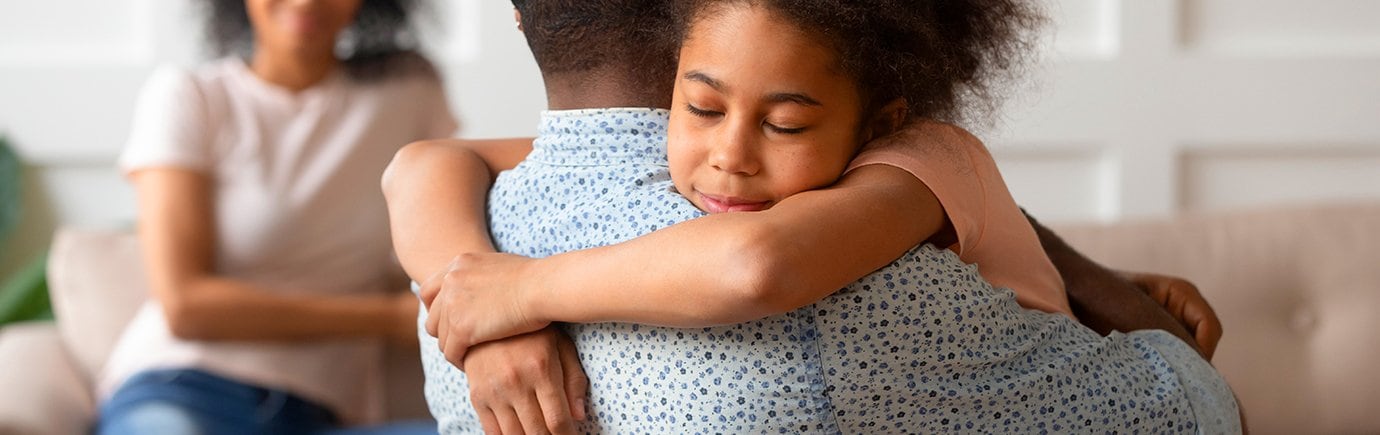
{"type": "Point", "coordinates": [760, 112]}
{"type": "Point", "coordinates": [300, 26]}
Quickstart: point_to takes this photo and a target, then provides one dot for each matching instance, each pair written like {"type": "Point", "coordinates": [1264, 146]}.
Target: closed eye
{"type": "Point", "coordinates": [783, 130]}
{"type": "Point", "coordinates": [701, 112]}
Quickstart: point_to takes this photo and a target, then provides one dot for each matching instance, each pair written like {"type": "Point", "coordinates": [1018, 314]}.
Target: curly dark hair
{"type": "Point", "coordinates": [629, 37]}
{"type": "Point", "coordinates": [382, 39]}
{"type": "Point", "coordinates": [948, 59]}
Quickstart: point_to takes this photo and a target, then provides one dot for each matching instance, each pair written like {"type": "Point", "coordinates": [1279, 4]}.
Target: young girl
{"type": "Point", "coordinates": [765, 110]}
{"type": "Point", "coordinates": [272, 287]}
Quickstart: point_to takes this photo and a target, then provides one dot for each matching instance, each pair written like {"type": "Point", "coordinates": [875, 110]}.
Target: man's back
{"type": "Point", "coordinates": [921, 345]}
{"type": "Point", "coordinates": [597, 177]}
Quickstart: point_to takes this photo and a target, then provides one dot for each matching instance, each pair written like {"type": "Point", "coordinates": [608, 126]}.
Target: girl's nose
{"type": "Point", "coordinates": [735, 150]}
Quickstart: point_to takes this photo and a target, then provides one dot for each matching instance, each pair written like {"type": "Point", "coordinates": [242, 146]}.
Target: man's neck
{"type": "Point", "coordinates": [589, 90]}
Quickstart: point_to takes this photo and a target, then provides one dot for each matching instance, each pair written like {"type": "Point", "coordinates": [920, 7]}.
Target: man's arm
{"type": "Point", "coordinates": [1103, 299]}
{"type": "Point", "coordinates": [1184, 302]}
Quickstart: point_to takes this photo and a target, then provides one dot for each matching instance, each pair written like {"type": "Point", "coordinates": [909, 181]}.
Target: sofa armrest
{"type": "Point", "coordinates": [44, 391]}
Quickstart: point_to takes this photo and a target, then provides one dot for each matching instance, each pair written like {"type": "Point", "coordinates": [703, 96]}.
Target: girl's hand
{"type": "Point", "coordinates": [1183, 300]}
{"type": "Point", "coordinates": [532, 383]}
{"type": "Point", "coordinates": [480, 297]}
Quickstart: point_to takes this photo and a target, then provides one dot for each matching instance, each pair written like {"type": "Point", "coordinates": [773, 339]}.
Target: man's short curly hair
{"type": "Point", "coordinates": [947, 59]}
{"type": "Point", "coordinates": [631, 37]}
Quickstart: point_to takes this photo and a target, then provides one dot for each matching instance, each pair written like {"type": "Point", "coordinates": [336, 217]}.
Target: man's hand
{"type": "Point", "coordinates": [1183, 300]}
{"type": "Point", "coordinates": [532, 383]}
{"type": "Point", "coordinates": [478, 298]}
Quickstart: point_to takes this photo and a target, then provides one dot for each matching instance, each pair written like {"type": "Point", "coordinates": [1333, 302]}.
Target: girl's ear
{"type": "Point", "coordinates": [887, 120]}
{"type": "Point", "coordinates": [517, 17]}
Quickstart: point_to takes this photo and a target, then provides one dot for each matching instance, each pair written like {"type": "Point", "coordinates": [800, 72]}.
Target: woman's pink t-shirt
{"type": "Point", "coordinates": [991, 230]}
{"type": "Point", "coordinates": [297, 210]}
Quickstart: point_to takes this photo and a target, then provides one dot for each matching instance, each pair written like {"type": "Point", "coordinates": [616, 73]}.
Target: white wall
{"type": "Point", "coordinates": [1150, 107]}
{"type": "Point", "coordinates": [1143, 107]}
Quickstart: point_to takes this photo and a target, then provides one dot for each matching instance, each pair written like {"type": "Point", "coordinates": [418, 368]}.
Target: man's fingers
{"type": "Point", "coordinates": [1154, 286]}
{"type": "Point", "coordinates": [1197, 315]}
{"type": "Point", "coordinates": [1207, 330]}
{"type": "Point", "coordinates": [1207, 337]}
{"type": "Point", "coordinates": [1177, 303]}
{"type": "Point", "coordinates": [576, 383]}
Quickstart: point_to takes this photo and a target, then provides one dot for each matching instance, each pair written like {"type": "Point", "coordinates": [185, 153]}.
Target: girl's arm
{"type": "Point", "coordinates": [718, 269]}
{"type": "Point", "coordinates": [178, 242]}
{"type": "Point", "coordinates": [734, 267]}
{"type": "Point", "coordinates": [436, 192]}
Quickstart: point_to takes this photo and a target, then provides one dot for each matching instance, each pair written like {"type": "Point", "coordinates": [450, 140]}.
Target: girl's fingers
{"type": "Point", "coordinates": [488, 421]}
{"type": "Point", "coordinates": [576, 385]}
{"type": "Point", "coordinates": [434, 317]}
{"type": "Point", "coordinates": [508, 421]}
{"type": "Point", "coordinates": [554, 407]}
{"type": "Point", "coordinates": [529, 412]}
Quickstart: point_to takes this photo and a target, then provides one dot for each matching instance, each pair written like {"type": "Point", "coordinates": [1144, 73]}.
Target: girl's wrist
{"type": "Point", "coordinates": [533, 290]}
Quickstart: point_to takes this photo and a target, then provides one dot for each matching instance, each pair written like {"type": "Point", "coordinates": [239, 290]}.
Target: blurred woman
{"type": "Point", "coordinates": [264, 231]}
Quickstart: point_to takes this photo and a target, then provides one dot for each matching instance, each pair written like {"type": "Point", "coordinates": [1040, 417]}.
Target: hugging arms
{"type": "Point", "coordinates": [713, 270]}
{"type": "Point", "coordinates": [723, 267]}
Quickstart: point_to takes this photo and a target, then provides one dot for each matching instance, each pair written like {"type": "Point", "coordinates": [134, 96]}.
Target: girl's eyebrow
{"type": "Point", "coordinates": [791, 97]}
{"type": "Point", "coordinates": [779, 97]}
{"type": "Point", "coordinates": [698, 76]}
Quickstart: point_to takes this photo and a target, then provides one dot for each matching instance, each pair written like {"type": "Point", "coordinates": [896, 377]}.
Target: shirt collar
{"type": "Point", "coordinates": [602, 137]}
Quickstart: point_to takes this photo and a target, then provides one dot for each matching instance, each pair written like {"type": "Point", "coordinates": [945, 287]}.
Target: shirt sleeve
{"type": "Point", "coordinates": [170, 127]}
{"type": "Point", "coordinates": [990, 228]}
{"type": "Point", "coordinates": [939, 160]}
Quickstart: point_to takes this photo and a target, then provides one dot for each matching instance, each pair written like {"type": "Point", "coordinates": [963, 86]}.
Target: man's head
{"type": "Point", "coordinates": [631, 42]}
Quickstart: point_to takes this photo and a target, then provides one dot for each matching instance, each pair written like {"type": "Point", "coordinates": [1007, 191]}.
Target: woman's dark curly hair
{"type": "Point", "coordinates": [381, 41]}
{"type": "Point", "coordinates": [946, 58]}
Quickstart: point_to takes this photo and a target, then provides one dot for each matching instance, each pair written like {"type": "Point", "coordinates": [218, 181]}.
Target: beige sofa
{"type": "Point", "coordinates": [1298, 291]}
{"type": "Point", "coordinates": [96, 281]}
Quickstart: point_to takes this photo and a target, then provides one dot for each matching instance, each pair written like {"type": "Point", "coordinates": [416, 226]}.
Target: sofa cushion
{"type": "Point", "coordinates": [1297, 291]}
{"type": "Point", "coordinates": [97, 282]}
{"type": "Point", "coordinates": [43, 391]}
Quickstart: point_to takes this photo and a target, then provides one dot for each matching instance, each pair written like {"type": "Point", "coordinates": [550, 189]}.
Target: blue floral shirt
{"type": "Point", "coordinates": [923, 345]}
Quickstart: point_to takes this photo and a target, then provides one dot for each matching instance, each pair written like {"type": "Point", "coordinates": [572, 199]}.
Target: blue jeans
{"type": "Point", "coordinates": [194, 402]}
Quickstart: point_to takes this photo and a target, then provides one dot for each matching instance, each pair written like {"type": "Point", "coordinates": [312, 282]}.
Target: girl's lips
{"type": "Point", "coordinates": [723, 204]}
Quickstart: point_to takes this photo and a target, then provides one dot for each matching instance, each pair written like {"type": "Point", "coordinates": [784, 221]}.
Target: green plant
{"type": "Point", "coordinates": [9, 189]}
{"type": "Point", "coordinates": [24, 295]}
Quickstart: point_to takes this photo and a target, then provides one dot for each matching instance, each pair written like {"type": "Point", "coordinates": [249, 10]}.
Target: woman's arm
{"type": "Point", "coordinates": [178, 241]}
